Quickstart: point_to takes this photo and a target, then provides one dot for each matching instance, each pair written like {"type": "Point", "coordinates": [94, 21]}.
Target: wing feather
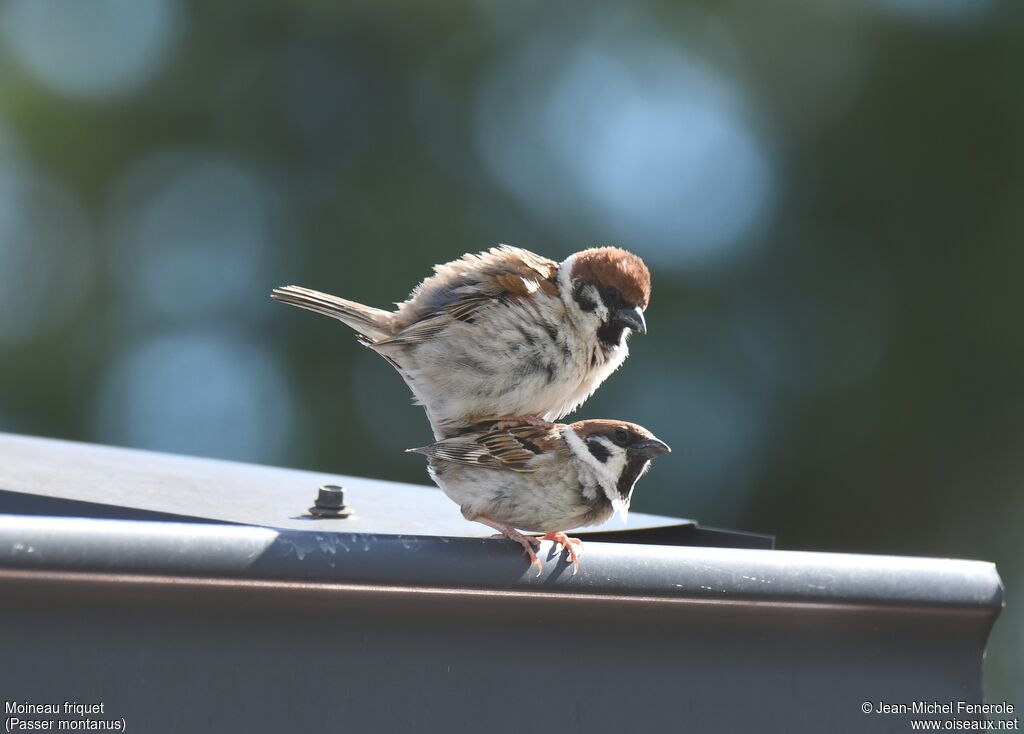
{"type": "Point", "coordinates": [460, 288]}
{"type": "Point", "coordinates": [513, 448]}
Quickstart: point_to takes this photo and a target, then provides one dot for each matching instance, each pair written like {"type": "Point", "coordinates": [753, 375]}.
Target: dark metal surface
{"type": "Point", "coordinates": [184, 658]}
{"type": "Point", "coordinates": [180, 627]}
{"type": "Point", "coordinates": [719, 575]}
{"type": "Point", "coordinates": [189, 626]}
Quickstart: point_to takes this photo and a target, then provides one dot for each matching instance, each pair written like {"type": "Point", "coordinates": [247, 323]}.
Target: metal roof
{"type": "Point", "coordinates": [215, 604]}
{"type": "Point", "coordinates": [432, 563]}
{"type": "Point", "coordinates": [128, 483]}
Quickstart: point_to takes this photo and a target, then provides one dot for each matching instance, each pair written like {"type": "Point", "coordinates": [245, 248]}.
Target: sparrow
{"type": "Point", "coordinates": [504, 333]}
{"type": "Point", "coordinates": [515, 475]}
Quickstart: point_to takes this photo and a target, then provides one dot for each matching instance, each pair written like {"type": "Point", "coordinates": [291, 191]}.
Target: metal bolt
{"type": "Point", "coordinates": [330, 502]}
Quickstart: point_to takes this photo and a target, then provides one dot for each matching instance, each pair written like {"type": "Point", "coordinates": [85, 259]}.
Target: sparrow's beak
{"type": "Point", "coordinates": [650, 448]}
{"type": "Point", "coordinates": [632, 318]}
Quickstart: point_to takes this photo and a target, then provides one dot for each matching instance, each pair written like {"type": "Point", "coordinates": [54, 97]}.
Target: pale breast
{"type": "Point", "coordinates": [514, 358]}
{"type": "Point", "coordinates": [548, 500]}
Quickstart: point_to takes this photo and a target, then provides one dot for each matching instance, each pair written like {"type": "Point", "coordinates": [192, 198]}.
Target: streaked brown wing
{"type": "Point", "coordinates": [511, 449]}
{"type": "Point", "coordinates": [461, 288]}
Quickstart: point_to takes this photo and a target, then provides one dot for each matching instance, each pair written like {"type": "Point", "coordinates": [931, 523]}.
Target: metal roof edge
{"type": "Point", "coordinates": [257, 555]}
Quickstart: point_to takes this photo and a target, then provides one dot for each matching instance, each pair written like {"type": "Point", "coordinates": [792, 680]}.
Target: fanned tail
{"type": "Point", "coordinates": [372, 323]}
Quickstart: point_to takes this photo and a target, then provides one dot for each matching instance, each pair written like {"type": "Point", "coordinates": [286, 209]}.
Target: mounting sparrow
{"type": "Point", "coordinates": [517, 474]}
{"type": "Point", "coordinates": [504, 333]}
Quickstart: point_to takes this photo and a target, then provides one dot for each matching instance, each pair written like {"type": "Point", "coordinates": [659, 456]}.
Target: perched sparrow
{"type": "Point", "coordinates": [505, 333]}
{"type": "Point", "coordinates": [515, 474]}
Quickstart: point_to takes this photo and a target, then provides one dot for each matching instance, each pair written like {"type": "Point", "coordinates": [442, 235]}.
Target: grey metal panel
{"type": "Point", "coordinates": [194, 658]}
{"type": "Point", "coordinates": [244, 649]}
{"type": "Point", "coordinates": [423, 562]}
{"type": "Point", "coordinates": [183, 626]}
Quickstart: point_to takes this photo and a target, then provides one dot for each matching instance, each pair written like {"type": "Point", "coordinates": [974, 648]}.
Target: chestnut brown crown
{"type": "Point", "coordinates": [606, 426]}
{"type": "Point", "coordinates": [612, 266]}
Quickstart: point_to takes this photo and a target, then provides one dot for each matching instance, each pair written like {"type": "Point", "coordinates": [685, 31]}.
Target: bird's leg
{"type": "Point", "coordinates": [528, 542]}
{"type": "Point", "coordinates": [570, 545]}
{"type": "Point", "coordinates": [514, 421]}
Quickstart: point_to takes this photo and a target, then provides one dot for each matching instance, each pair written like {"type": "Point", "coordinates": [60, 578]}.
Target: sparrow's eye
{"type": "Point", "coordinates": [621, 436]}
{"type": "Point", "coordinates": [611, 294]}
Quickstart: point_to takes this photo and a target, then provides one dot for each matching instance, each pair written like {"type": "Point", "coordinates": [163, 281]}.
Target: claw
{"type": "Point", "coordinates": [569, 544]}
{"type": "Point", "coordinates": [528, 542]}
{"type": "Point", "coordinates": [534, 561]}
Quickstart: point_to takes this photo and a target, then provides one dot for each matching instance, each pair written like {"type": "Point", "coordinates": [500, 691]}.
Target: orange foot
{"type": "Point", "coordinates": [573, 547]}
{"type": "Point", "coordinates": [529, 543]}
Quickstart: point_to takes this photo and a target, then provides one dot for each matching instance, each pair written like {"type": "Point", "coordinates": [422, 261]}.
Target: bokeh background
{"type": "Point", "coordinates": [830, 195]}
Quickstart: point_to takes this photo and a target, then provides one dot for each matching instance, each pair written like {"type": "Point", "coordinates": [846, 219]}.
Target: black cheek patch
{"type": "Point", "coordinates": [630, 473]}
{"type": "Point", "coordinates": [598, 450]}
{"type": "Point", "coordinates": [582, 297]}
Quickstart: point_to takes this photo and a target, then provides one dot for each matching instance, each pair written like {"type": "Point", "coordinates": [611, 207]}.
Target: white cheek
{"type": "Point", "coordinates": [589, 321]}
{"type": "Point", "coordinates": [600, 313]}
{"type": "Point", "coordinates": [607, 471]}
{"type": "Point", "coordinates": [594, 318]}
{"type": "Point", "coordinates": [579, 448]}
{"type": "Point", "coordinates": [616, 462]}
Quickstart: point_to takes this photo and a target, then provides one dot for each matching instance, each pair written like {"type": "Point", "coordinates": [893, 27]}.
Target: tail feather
{"type": "Point", "coordinates": [373, 323]}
